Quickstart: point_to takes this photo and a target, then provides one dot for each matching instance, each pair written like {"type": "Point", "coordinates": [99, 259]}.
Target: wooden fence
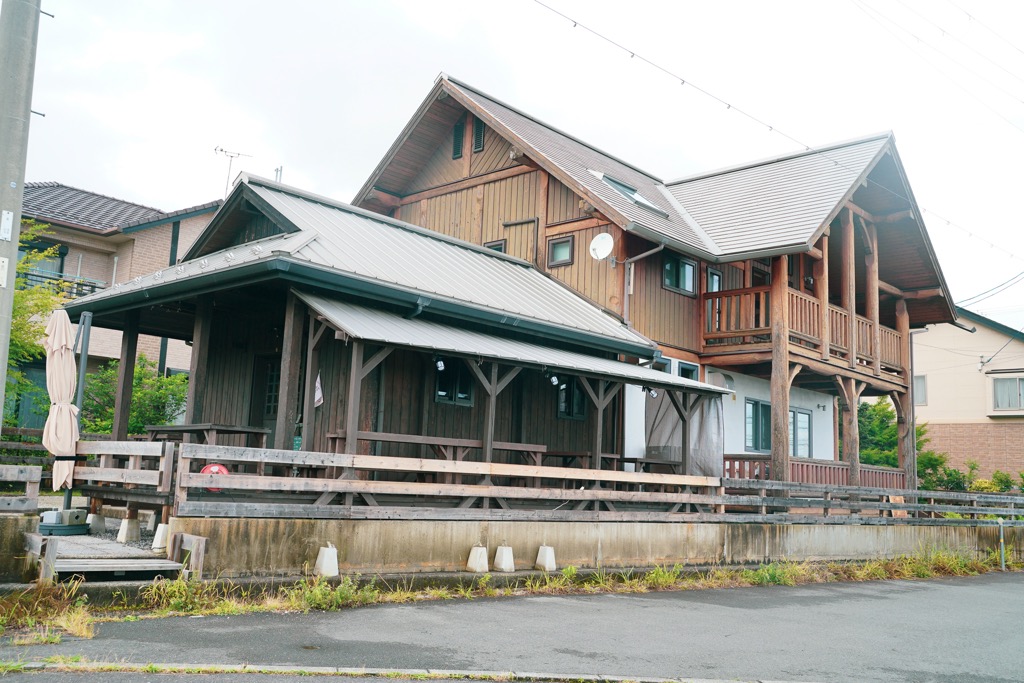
{"type": "Point", "coordinates": [811, 471]}
{"type": "Point", "coordinates": [30, 476]}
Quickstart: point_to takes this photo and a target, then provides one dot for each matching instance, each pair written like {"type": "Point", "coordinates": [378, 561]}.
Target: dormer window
{"type": "Point", "coordinates": [631, 194]}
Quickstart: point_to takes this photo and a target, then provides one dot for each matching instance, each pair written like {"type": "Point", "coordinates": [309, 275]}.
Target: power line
{"type": "Point", "coordinates": [975, 19]}
{"type": "Point", "coordinates": [989, 293]}
{"type": "Point", "coordinates": [770, 128]}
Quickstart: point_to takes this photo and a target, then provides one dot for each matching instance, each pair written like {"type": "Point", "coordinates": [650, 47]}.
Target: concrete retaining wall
{"type": "Point", "coordinates": [14, 562]}
{"type": "Point", "coordinates": [268, 547]}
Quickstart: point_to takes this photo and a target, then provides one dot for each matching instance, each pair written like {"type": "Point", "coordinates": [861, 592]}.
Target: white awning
{"type": "Point", "coordinates": [382, 327]}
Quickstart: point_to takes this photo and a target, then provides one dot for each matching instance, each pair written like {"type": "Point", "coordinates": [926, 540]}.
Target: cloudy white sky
{"type": "Point", "coordinates": [138, 94]}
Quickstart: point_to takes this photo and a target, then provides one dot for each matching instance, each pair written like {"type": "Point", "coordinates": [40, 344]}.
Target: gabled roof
{"type": "Point", "coordinates": [778, 204]}
{"type": "Point", "coordinates": [71, 207]}
{"type": "Point", "coordinates": [992, 324]}
{"type": "Point", "coordinates": [180, 214]}
{"type": "Point", "coordinates": [343, 248]}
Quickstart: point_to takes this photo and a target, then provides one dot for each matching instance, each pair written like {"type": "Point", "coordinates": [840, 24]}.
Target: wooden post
{"type": "Point", "coordinates": [125, 376]}
{"type": "Point", "coordinates": [316, 331]}
{"type": "Point", "coordinates": [291, 357]}
{"type": "Point", "coordinates": [355, 385]}
{"type": "Point", "coordinates": [780, 369]}
{"type": "Point", "coordinates": [600, 397]}
{"type": "Point", "coordinates": [489, 412]}
{"type": "Point", "coordinates": [849, 396]}
{"type": "Point", "coordinates": [197, 376]}
{"type": "Point", "coordinates": [871, 297]}
{"type": "Point", "coordinates": [542, 220]}
{"type": "Point", "coordinates": [849, 288]}
{"type": "Point", "coordinates": [906, 443]}
{"type": "Point", "coordinates": [903, 330]}
{"type": "Point", "coordinates": [821, 292]}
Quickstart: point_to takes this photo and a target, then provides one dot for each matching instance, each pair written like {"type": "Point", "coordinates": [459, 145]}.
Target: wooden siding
{"type": "Point", "coordinates": [441, 169]}
{"type": "Point", "coordinates": [450, 214]}
{"type": "Point", "coordinates": [509, 200]}
{"type": "Point", "coordinates": [596, 280]}
{"type": "Point", "coordinates": [665, 316]}
{"type": "Point", "coordinates": [494, 157]}
{"type": "Point", "coordinates": [563, 203]}
{"type": "Point", "coordinates": [255, 228]}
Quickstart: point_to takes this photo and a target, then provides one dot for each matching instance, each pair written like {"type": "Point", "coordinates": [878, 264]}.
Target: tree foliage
{"type": "Point", "coordinates": [156, 399]}
{"type": "Point", "coordinates": [33, 303]}
{"type": "Point", "coordinates": [879, 438]}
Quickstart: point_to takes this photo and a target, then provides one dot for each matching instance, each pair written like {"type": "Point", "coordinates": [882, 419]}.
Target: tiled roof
{"type": "Point", "coordinates": [69, 206]}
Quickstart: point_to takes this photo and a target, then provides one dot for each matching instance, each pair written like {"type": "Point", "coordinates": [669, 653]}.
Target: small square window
{"type": "Point", "coordinates": [687, 370]}
{"type": "Point", "coordinates": [560, 251]}
{"type": "Point", "coordinates": [678, 274]}
{"type": "Point", "coordinates": [572, 404]}
{"type": "Point", "coordinates": [454, 384]}
{"type": "Point", "coordinates": [920, 390]}
{"type": "Point", "coordinates": [496, 245]}
{"type": "Point", "coordinates": [1007, 393]}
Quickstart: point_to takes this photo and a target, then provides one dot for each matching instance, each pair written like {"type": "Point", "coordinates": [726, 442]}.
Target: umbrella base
{"type": "Point", "coordinates": [63, 529]}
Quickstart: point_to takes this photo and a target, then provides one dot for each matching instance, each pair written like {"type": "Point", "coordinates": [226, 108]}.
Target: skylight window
{"type": "Point", "coordinates": [631, 194]}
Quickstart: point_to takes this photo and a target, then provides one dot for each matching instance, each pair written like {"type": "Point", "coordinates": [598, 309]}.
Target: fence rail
{"type": "Point", "coordinates": [30, 476]}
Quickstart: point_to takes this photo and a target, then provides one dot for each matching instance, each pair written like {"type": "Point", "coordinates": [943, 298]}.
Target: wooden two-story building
{"type": "Point", "coordinates": [792, 281]}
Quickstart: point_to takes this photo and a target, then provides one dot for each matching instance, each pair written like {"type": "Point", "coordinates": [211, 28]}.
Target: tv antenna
{"type": "Point", "coordinates": [231, 159]}
{"type": "Point", "coordinates": [278, 173]}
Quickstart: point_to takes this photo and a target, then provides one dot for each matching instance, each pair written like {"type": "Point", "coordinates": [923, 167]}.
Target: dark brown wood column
{"type": "Point", "coordinates": [871, 295]}
{"type": "Point", "coordinates": [197, 376]}
{"type": "Point", "coordinates": [291, 360]}
{"type": "Point", "coordinates": [125, 377]}
{"type": "Point", "coordinates": [780, 369]}
{"type": "Point", "coordinates": [492, 386]}
{"type": "Point", "coordinates": [600, 395]}
{"type": "Point", "coordinates": [316, 332]}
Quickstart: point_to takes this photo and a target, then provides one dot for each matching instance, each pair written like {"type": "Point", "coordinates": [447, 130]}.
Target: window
{"type": "Point", "coordinates": [1007, 393]}
{"type": "Point", "coordinates": [920, 390]}
{"type": "Point", "coordinates": [631, 194]}
{"type": "Point", "coordinates": [678, 274]}
{"type": "Point", "coordinates": [800, 433]}
{"type": "Point", "coordinates": [496, 245]}
{"type": "Point", "coordinates": [458, 133]}
{"type": "Point", "coordinates": [687, 370]}
{"type": "Point", "coordinates": [560, 251]}
{"type": "Point", "coordinates": [572, 404]}
{"type": "Point", "coordinates": [759, 429]}
{"type": "Point", "coordinates": [714, 280]}
{"type": "Point", "coordinates": [759, 426]}
{"type": "Point", "coordinates": [454, 384]}
{"type": "Point", "coordinates": [478, 135]}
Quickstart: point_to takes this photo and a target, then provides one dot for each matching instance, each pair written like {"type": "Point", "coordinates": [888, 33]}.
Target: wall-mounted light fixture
{"type": "Point", "coordinates": [439, 364]}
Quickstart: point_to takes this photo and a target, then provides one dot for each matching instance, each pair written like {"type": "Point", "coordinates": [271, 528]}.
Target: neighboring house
{"type": "Point", "coordinates": [103, 241]}
{"type": "Point", "coordinates": [969, 388]}
{"type": "Point", "coordinates": [791, 281]}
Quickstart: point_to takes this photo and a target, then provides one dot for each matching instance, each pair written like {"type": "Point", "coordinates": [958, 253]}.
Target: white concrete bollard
{"type": "Point", "coordinates": [160, 539]}
{"type": "Point", "coordinates": [326, 561]}
{"type": "Point", "coordinates": [97, 524]}
{"type": "Point", "coordinates": [129, 531]}
{"type": "Point", "coordinates": [545, 559]}
{"type": "Point", "coordinates": [153, 522]}
{"type": "Point", "coordinates": [477, 560]}
{"type": "Point", "coordinates": [503, 561]}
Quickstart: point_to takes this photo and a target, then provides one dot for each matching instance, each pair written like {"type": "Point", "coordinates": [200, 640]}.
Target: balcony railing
{"type": "Point", "coordinates": [70, 285]}
{"type": "Point", "coordinates": [742, 317]}
{"type": "Point", "coordinates": [810, 471]}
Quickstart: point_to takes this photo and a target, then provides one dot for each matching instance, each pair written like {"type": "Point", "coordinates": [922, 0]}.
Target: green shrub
{"type": "Point", "coordinates": [1003, 481]}
{"type": "Point", "coordinates": [983, 486]}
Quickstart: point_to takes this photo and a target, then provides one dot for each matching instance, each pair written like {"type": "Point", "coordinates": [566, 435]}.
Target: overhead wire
{"type": "Point", "coordinates": [989, 293]}
{"type": "Point", "coordinates": [985, 26]}
{"type": "Point", "coordinates": [771, 128]}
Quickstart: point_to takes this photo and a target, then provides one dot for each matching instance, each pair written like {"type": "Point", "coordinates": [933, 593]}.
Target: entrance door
{"type": "Point", "coordinates": [266, 385]}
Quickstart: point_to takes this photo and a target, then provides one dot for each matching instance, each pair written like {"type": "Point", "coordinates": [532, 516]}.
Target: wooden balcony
{"type": "Point", "coordinates": [738, 321]}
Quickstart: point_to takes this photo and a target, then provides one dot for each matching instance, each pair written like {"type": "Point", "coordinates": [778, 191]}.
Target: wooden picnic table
{"type": "Point", "coordinates": [207, 432]}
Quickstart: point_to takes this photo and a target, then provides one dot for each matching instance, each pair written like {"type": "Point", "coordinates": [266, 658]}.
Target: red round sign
{"type": "Point", "coordinates": [215, 468]}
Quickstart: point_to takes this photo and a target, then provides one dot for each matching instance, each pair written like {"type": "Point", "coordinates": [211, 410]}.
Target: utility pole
{"type": "Point", "coordinates": [19, 33]}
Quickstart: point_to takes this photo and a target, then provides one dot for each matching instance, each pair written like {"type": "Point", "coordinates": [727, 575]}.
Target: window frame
{"type": "Point", "coordinates": [793, 424]}
{"type": "Point", "coordinates": [921, 396]}
{"type": "Point", "coordinates": [555, 241]}
{"type": "Point", "coordinates": [499, 246]}
{"type": "Point", "coordinates": [680, 261]}
{"type": "Point", "coordinates": [1020, 399]}
{"type": "Point", "coordinates": [454, 368]}
{"type": "Point", "coordinates": [755, 441]}
{"type": "Point", "coordinates": [693, 368]}
{"type": "Point", "coordinates": [577, 401]}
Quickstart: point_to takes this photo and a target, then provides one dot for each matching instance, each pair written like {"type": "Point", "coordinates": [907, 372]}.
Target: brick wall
{"type": "Point", "coordinates": [994, 445]}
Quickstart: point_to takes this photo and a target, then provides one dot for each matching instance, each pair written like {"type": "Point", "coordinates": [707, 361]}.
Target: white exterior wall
{"type": "Point", "coordinates": [734, 408]}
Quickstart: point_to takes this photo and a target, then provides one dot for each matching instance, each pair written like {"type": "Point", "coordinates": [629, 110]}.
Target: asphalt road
{"type": "Point", "coordinates": [949, 631]}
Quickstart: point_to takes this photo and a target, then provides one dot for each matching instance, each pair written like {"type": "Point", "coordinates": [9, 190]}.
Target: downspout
{"type": "Point", "coordinates": [629, 280]}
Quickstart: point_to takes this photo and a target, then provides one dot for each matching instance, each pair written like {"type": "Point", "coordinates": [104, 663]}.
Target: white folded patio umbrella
{"type": "Point", "coordinates": [60, 433]}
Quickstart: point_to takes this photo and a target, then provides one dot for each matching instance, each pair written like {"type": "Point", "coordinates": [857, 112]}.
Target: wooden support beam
{"type": "Point", "coordinates": [889, 289]}
{"type": "Point", "coordinates": [355, 385]}
{"type": "Point", "coordinates": [849, 393]}
{"type": "Point", "coordinates": [894, 217]}
{"type": "Point", "coordinates": [813, 252]}
{"type": "Point", "coordinates": [820, 274]}
{"type": "Point", "coordinates": [125, 376]}
{"type": "Point", "coordinates": [385, 199]}
{"type": "Point", "coordinates": [871, 295]}
{"type": "Point", "coordinates": [794, 370]}
{"type": "Point", "coordinates": [316, 334]}
{"type": "Point", "coordinates": [930, 293]}
{"type": "Point", "coordinates": [780, 369]}
{"type": "Point", "coordinates": [906, 435]}
{"type": "Point", "coordinates": [291, 358]}
{"type": "Point", "coordinates": [849, 286]}
{"type": "Point", "coordinates": [199, 367]}
{"type": "Point", "coordinates": [369, 366]}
